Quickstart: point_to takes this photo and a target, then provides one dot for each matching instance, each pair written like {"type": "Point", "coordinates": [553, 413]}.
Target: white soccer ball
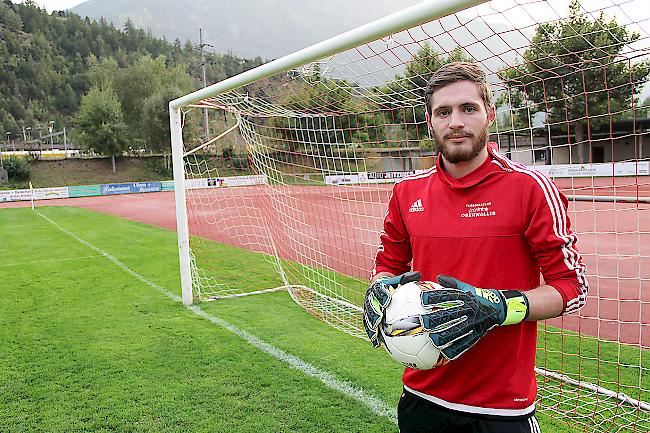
{"type": "Point", "coordinates": [404, 338]}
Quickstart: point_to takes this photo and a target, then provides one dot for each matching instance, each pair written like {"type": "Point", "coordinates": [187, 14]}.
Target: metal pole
{"type": "Point", "coordinates": [206, 127]}
{"type": "Point", "coordinates": [51, 129]}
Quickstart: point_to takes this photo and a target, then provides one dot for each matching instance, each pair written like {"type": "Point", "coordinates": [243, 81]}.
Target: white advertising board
{"type": "Point", "coordinates": [369, 177]}
{"type": "Point", "coordinates": [36, 193]}
{"type": "Point", "coordinates": [641, 168]}
{"type": "Point", "coordinates": [223, 182]}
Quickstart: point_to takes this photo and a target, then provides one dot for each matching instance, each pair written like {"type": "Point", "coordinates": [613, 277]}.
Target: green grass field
{"type": "Point", "coordinates": [94, 342]}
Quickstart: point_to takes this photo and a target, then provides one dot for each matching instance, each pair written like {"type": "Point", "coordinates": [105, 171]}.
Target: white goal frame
{"type": "Point", "coordinates": [420, 14]}
{"type": "Point", "coordinates": [394, 23]}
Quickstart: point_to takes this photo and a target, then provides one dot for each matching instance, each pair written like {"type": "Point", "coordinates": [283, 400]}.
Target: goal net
{"type": "Point", "coordinates": [283, 173]}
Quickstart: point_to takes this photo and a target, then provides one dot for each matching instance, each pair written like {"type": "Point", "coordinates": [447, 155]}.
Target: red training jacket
{"type": "Point", "coordinates": [496, 228]}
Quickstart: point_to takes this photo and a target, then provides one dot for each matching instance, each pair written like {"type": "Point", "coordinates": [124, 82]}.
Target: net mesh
{"type": "Point", "coordinates": [295, 195]}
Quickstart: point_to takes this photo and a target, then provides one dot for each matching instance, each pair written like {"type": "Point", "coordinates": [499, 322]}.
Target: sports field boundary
{"type": "Point", "coordinates": [376, 405]}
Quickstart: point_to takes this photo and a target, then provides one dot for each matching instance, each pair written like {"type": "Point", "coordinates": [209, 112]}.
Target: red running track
{"type": "Point", "coordinates": [337, 228]}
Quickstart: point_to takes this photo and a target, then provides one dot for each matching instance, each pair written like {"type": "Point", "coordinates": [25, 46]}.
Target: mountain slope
{"type": "Point", "coordinates": [248, 28]}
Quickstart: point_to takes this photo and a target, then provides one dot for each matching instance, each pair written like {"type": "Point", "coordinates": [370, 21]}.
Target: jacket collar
{"type": "Point", "coordinates": [489, 167]}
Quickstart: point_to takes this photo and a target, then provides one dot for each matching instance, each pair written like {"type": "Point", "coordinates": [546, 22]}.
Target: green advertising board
{"type": "Point", "coordinates": [84, 190]}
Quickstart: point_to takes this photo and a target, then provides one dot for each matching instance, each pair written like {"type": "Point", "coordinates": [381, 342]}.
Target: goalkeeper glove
{"type": "Point", "coordinates": [463, 314]}
{"type": "Point", "coordinates": [377, 298]}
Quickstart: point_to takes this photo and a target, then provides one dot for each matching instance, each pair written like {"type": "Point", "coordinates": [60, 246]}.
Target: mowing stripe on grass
{"type": "Point", "coordinates": [377, 406]}
{"type": "Point", "coordinates": [34, 262]}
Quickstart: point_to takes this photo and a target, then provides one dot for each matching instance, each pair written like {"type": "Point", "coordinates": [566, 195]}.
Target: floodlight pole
{"type": "Point", "coordinates": [206, 126]}
{"type": "Point", "coordinates": [51, 129]}
{"type": "Point", "coordinates": [8, 133]}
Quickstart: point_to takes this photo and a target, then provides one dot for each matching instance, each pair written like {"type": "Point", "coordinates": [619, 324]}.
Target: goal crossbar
{"type": "Point", "coordinates": [402, 20]}
{"type": "Point", "coordinates": [390, 24]}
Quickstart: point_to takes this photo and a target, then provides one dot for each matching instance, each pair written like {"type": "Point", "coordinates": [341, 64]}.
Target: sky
{"type": "Point", "coordinates": [51, 5]}
{"type": "Point", "coordinates": [557, 5]}
{"type": "Point", "coordinates": [535, 10]}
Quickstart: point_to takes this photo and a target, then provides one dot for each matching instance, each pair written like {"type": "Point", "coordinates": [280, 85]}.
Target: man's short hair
{"type": "Point", "coordinates": [458, 71]}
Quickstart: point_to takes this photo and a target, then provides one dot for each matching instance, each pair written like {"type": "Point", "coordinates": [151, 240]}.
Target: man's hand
{"type": "Point", "coordinates": [462, 314]}
{"type": "Point", "coordinates": [377, 298]}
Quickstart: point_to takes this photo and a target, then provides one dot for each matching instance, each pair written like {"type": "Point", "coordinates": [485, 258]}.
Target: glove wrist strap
{"type": "Point", "coordinates": [516, 307]}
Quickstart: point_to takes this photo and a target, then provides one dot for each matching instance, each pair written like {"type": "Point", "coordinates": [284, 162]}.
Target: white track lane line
{"type": "Point", "coordinates": [376, 405]}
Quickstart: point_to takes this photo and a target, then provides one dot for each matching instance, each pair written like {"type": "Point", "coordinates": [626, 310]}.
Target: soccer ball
{"type": "Point", "coordinates": [404, 338]}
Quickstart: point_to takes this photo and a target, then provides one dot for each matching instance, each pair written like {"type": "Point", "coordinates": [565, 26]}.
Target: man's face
{"type": "Point", "coordinates": [459, 121]}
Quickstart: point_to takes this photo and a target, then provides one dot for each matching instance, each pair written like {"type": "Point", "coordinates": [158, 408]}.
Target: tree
{"type": "Point", "coordinates": [18, 169]}
{"type": "Point", "coordinates": [103, 73]}
{"type": "Point", "coordinates": [100, 124]}
{"type": "Point", "coordinates": [54, 59]}
{"type": "Point", "coordinates": [326, 112]}
{"type": "Point", "coordinates": [403, 98]}
{"type": "Point", "coordinates": [10, 19]}
{"type": "Point", "coordinates": [644, 107]}
{"type": "Point", "coordinates": [147, 77]}
{"type": "Point", "coordinates": [10, 124]}
{"type": "Point", "coordinates": [156, 119]}
{"type": "Point", "coordinates": [577, 74]}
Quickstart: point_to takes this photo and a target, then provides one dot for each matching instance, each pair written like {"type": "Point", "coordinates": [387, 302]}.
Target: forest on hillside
{"type": "Point", "coordinates": [50, 61]}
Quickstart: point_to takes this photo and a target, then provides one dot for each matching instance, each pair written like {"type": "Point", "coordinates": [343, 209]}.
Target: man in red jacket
{"type": "Point", "coordinates": [483, 227]}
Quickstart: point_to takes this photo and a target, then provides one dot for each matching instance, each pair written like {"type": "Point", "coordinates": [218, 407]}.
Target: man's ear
{"type": "Point", "coordinates": [428, 117]}
{"type": "Point", "coordinates": [492, 114]}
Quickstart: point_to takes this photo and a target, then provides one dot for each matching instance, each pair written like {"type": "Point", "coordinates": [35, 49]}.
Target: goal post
{"type": "Point", "coordinates": [290, 190]}
{"type": "Point", "coordinates": [182, 228]}
{"type": "Point", "coordinates": [397, 22]}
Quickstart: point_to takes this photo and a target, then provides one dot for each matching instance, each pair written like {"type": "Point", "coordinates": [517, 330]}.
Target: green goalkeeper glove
{"type": "Point", "coordinates": [377, 298]}
{"type": "Point", "coordinates": [463, 314]}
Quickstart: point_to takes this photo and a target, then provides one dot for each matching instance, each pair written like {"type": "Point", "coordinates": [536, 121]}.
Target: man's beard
{"type": "Point", "coordinates": [455, 153]}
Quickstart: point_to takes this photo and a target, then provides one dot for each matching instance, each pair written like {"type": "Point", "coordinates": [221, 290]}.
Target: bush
{"type": "Point", "coordinates": [240, 163]}
{"type": "Point", "coordinates": [18, 169]}
{"type": "Point", "coordinates": [228, 152]}
{"type": "Point", "coordinates": [158, 166]}
{"type": "Point", "coordinates": [426, 144]}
